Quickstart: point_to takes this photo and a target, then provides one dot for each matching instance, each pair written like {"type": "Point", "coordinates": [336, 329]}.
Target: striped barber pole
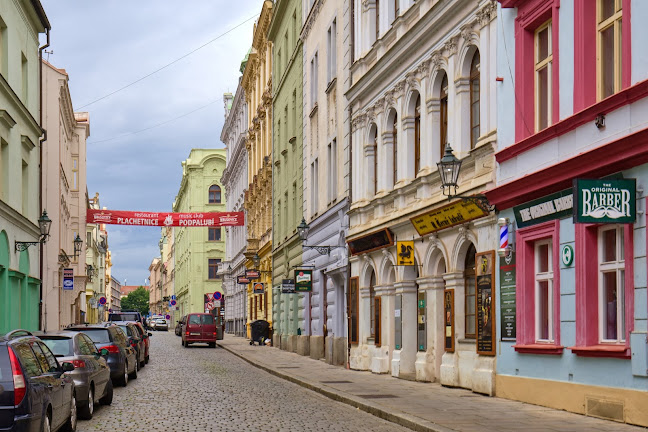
{"type": "Point", "coordinates": [503, 236]}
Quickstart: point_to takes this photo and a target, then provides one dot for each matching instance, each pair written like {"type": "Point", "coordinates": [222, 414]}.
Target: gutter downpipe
{"type": "Point", "coordinates": [348, 278]}
{"type": "Point", "coordinates": [41, 140]}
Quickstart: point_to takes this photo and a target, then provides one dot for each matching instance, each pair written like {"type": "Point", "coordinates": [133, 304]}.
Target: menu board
{"type": "Point", "coordinates": [448, 308]}
{"type": "Point", "coordinates": [508, 308]}
{"type": "Point", "coordinates": [484, 265]}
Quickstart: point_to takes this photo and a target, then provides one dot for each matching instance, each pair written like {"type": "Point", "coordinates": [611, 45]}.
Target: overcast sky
{"type": "Point", "coordinates": [108, 44]}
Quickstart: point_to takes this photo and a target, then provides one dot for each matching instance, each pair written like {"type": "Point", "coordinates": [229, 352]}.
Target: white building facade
{"type": "Point", "coordinates": [235, 181]}
{"type": "Point", "coordinates": [422, 76]}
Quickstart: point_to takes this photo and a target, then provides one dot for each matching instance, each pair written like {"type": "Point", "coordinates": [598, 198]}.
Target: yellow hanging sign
{"type": "Point", "coordinates": [447, 216]}
{"type": "Point", "coordinates": [405, 253]}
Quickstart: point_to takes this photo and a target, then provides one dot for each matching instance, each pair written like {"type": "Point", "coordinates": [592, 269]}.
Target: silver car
{"type": "Point", "coordinates": [91, 373]}
{"type": "Point", "coordinates": [161, 324]}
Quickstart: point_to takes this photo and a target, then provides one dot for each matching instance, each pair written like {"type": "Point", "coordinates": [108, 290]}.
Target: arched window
{"type": "Point", "coordinates": [469, 279]}
{"type": "Point", "coordinates": [417, 135]}
{"type": "Point", "coordinates": [372, 305]}
{"type": "Point", "coordinates": [443, 114]}
{"type": "Point", "coordinates": [395, 147]}
{"type": "Point", "coordinates": [214, 194]}
{"type": "Point", "coordinates": [375, 160]}
{"type": "Point", "coordinates": [474, 100]}
{"type": "Point", "coordinates": [377, 19]}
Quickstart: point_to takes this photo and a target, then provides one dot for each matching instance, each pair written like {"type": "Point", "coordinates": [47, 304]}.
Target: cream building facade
{"type": "Point", "coordinates": [64, 186]}
{"type": "Point", "coordinates": [257, 86]}
{"type": "Point", "coordinates": [167, 251]}
{"type": "Point", "coordinates": [423, 75]}
{"type": "Point", "coordinates": [96, 244]}
{"type": "Point", "coordinates": [155, 286]}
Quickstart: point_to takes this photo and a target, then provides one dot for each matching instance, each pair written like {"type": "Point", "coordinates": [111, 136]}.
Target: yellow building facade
{"type": "Point", "coordinates": [257, 83]}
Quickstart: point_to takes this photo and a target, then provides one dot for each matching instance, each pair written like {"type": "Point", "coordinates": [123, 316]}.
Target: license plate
{"type": "Point", "coordinates": [194, 334]}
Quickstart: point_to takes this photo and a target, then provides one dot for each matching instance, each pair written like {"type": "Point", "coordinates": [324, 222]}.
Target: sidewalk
{"type": "Point", "coordinates": [418, 406]}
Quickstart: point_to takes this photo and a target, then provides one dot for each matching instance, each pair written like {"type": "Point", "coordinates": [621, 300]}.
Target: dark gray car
{"type": "Point", "coordinates": [91, 373]}
{"type": "Point", "coordinates": [121, 356]}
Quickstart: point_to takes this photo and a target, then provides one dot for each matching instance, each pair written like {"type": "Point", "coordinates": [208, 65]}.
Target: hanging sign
{"type": "Point", "coordinates": [287, 286]}
{"type": "Point", "coordinates": [68, 279]}
{"type": "Point", "coordinates": [555, 206]}
{"type": "Point", "coordinates": [303, 280]}
{"type": "Point", "coordinates": [405, 255]}
{"type": "Point", "coordinates": [605, 201]}
{"type": "Point", "coordinates": [371, 242]}
{"type": "Point", "coordinates": [508, 309]}
{"type": "Point", "coordinates": [258, 288]}
{"type": "Point", "coordinates": [207, 219]}
{"type": "Point", "coordinates": [252, 274]}
{"type": "Point", "coordinates": [484, 265]}
{"type": "Point", "coordinates": [447, 216]}
{"type": "Point", "coordinates": [242, 280]}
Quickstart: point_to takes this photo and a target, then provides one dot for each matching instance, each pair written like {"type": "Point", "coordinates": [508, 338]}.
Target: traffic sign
{"type": "Point", "coordinates": [167, 317]}
{"type": "Point", "coordinates": [173, 302]}
{"type": "Point", "coordinates": [173, 297]}
{"type": "Point", "coordinates": [218, 295]}
{"type": "Point", "coordinates": [102, 300]}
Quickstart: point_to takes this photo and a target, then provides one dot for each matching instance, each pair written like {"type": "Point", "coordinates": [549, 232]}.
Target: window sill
{"type": "Point", "coordinates": [331, 84]}
{"type": "Point", "coordinates": [539, 349]}
{"type": "Point", "coordinates": [615, 351]}
{"type": "Point", "coordinates": [313, 111]}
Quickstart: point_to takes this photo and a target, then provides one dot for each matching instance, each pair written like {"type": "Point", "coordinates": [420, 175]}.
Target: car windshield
{"type": "Point", "coordinates": [60, 346]}
{"type": "Point", "coordinates": [161, 321]}
{"type": "Point", "coordinates": [124, 317]}
{"type": "Point", "coordinates": [125, 328]}
{"type": "Point", "coordinates": [98, 335]}
{"type": "Point", "coordinates": [208, 319]}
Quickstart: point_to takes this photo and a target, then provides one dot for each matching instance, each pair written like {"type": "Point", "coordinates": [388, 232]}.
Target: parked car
{"type": "Point", "coordinates": [121, 357]}
{"type": "Point", "coordinates": [125, 316]}
{"type": "Point", "coordinates": [161, 324]}
{"type": "Point", "coordinates": [147, 342]}
{"type": "Point", "coordinates": [37, 393]}
{"type": "Point", "coordinates": [136, 340]}
{"type": "Point", "coordinates": [178, 328]}
{"type": "Point", "coordinates": [91, 373]}
{"type": "Point", "coordinates": [199, 328]}
{"type": "Point", "coordinates": [151, 323]}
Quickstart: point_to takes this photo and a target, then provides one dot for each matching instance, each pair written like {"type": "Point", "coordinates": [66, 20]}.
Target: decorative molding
{"type": "Point", "coordinates": [451, 45]}
{"type": "Point", "coordinates": [310, 20]}
{"type": "Point", "coordinates": [27, 143]}
{"type": "Point", "coordinates": [6, 119]}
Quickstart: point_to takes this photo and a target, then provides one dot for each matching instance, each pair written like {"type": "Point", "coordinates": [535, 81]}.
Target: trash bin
{"type": "Point", "coordinates": [260, 331]}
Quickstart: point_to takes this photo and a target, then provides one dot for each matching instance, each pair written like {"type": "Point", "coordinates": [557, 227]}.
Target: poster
{"type": "Point", "coordinates": [508, 308]}
{"type": "Point", "coordinates": [448, 308]}
{"type": "Point", "coordinates": [484, 265]}
{"type": "Point", "coordinates": [303, 280]}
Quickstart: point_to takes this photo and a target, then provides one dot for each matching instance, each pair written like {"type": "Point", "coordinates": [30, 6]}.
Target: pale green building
{"type": "Point", "coordinates": [199, 250]}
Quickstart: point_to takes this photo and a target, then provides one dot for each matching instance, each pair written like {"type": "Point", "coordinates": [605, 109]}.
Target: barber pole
{"type": "Point", "coordinates": [504, 248]}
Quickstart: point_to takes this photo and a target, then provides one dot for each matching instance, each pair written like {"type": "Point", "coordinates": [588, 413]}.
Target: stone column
{"type": "Point", "coordinates": [428, 363]}
{"type": "Point", "coordinates": [404, 359]}
{"type": "Point", "coordinates": [381, 359]}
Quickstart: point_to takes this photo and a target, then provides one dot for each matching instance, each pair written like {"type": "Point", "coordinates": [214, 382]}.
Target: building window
{"type": "Point", "coordinates": [4, 47]}
{"type": "Point", "coordinates": [417, 135]}
{"type": "Point", "coordinates": [396, 6]}
{"type": "Point", "coordinates": [25, 189]}
{"type": "Point", "coordinates": [372, 305]}
{"type": "Point", "coordinates": [611, 284]}
{"type": "Point", "coordinates": [214, 234]}
{"type": "Point", "coordinates": [544, 291]}
{"type": "Point", "coordinates": [377, 19]}
{"type": "Point", "coordinates": [313, 88]}
{"type": "Point", "coordinates": [375, 159]}
{"type": "Point", "coordinates": [443, 114]}
{"type": "Point", "coordinates": [314, 186]}
{"type": "Point", "coordinates": [214, 194]}
{"type": "Point", "coordinates": [332, 52]}
{"type": "Point", "coordinates": [470, 283]}
{"type": "Point", "coordinates": [213, 268]}
{"type": "Point", "coordinates": [609, 42]}
{"type": "Point", "coordinates": [25, 79]}
{"type": "Point", "coordinates": [75, 173]}
{"type": "Point", "coordinates": [332, 171]}
{"type": "Point", "coordinates": [543, 87]}
{"type": "Point", "coordinates": [395, 147]}
{"type": "Point", "coordinates": [474, 100]}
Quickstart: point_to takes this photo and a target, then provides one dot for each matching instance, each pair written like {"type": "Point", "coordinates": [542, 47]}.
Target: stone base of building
{"type": "Point", "coordinates": [276, 341]}
{"type": "Point", "coordinates": [336, 350]}
{"type": "Point", "coordinates": [468, 370]}
{"type": "Point", "coordinates": [316, 349]}
{"type": "Point", "coordinates": [610, 403]}
{"type": "Point", "coordinates": [302, 345]}
{"type": "Point", "coordinates": [425, 369]}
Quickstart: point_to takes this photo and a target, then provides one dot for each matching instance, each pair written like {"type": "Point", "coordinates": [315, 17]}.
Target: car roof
{"type": "Point", "coordinates": [17, 334]}
{"type": "Point", "coordinates": [61, 333]}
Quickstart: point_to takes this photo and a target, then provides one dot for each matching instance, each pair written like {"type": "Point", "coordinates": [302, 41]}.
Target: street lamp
{"type": "Point", "coordinates": [449, 167]}
{"type": "Point", "coordinates": [44, 225]}
{"type": "Point", "coordinates": [302, 230]}
{"type": "Point", "coordinates": [256, 259]}
{"type": "Point", "coordinates": [77, 246]}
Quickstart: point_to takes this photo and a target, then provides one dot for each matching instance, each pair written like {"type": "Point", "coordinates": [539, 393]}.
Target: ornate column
{"type": "Point", "coordinates": [428, 363]}
{"type": "Point", "coordinates": [449, 370]}
{"type": "Point", "coordinates": [404, 359]}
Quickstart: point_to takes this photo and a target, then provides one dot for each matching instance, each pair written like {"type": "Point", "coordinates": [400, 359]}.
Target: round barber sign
{"type": "Point", "coordinates": [218, 295]}
{"type": "Point", "coordinates": [567, 255]}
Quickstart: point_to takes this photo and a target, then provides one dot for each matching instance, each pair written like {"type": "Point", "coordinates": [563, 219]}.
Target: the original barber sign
{"type": "Point", "coordinates": [605, 201]}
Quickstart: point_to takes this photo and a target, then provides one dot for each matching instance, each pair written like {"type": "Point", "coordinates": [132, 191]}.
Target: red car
{"type": "Point", "coordinates": [199, 328]}
{"type": "Point", "coordinates": [147, 342]}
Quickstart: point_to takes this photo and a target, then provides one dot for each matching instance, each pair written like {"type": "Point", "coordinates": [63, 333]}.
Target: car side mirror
{"type": "Point", "coordinates": [103, 352]}
{"type": "Point", "coordinates": [67, 367]}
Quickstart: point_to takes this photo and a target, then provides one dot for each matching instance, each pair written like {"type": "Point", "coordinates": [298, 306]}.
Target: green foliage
{"type": "Point", "coordinates": [138, 300]}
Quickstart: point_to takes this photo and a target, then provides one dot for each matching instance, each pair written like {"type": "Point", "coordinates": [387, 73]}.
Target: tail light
{"type": "Point", "coordinates": [112, 349]}
{"type": "Point", "coordinates": [78, 363]}
{"type": "Point", "coordinates": [20, 387]}
{"type": "Point", "coordinates": [133, 344]}
{"type": "Point", "coordinates": [187, 333]}
{"type": "Point", "coordinates": [214, 333]}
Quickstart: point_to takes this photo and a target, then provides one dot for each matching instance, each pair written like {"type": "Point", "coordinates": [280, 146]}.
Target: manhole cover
{"type": "Point", "coordinates": [377, 396]}
{"type": "Point", "coordinates": [336, 382]}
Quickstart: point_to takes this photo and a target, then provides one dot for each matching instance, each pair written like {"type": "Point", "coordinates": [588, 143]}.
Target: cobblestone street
{"type": "Point", "coordinates": [206, 389]}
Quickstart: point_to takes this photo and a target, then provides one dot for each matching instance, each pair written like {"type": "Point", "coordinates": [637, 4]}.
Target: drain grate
{"type": "Point", "coordinates": [287, 367]}
{"type": "Point", "coordinates": [336, 382]}
{"type": "Point", "coordinates": [377, 396]}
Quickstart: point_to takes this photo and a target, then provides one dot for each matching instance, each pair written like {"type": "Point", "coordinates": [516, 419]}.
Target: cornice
{"type": "Point", "coordinates": [311, 18]}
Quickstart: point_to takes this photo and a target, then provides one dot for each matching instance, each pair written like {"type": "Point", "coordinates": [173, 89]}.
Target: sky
{"type": "Point", "coordinates": [109, 44]}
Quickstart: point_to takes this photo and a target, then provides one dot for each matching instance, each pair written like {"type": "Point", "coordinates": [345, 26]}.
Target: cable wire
{"type": "Point", "coordinates": [166, 66]}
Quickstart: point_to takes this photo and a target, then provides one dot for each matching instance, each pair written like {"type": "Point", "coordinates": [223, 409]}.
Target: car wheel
{"type": "Point", "coordinates": [187, 344]}
{"type": "Point", "coordinates": [183, 343]}
{"type": "Point", "coordinates": [86, 410]}
{"type": "Point", "coordinates": [212, 345]}
{"type": "Point", "coordinates": [138, 364]}
{"type": "Point", "coordinates": [124, 380]}
{"type": "Point", "coordinates": [133, 374]}
{"type": "Point", "coordinates": [46, 424]}
{"type": "Point", "coordinates": [108, 394]}
{"type": "Point", "coordinates": [146, 360]}
{"type": "Point", "coordinates": [71, 424]}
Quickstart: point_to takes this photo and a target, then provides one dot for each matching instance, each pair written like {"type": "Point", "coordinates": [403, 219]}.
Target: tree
{"type": "Point", "coordinates": [138, 300]}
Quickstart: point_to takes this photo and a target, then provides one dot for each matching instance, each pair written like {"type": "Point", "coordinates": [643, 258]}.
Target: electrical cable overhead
{"type": "Point", "coordinates": [167, 65]}
{"type": "Point", "coordinates": [154, 126]}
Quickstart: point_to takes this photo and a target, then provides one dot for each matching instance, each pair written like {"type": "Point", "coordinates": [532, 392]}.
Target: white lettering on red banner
{"type": "Point", "coordinates": [209, 219]}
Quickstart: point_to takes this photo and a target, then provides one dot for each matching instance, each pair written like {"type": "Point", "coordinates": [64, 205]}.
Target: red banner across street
{"type": "Point", "coordinates": [208, 219]}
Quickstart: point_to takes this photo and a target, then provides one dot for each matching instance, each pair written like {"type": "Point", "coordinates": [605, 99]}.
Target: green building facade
{"type": "Point", "coordinates": [287, 153]}
{"type": "Point", "coordinates": [197, 250]}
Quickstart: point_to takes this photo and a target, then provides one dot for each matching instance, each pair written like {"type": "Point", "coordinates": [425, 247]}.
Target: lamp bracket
{"type": "Point", "coordinates": [323, 250]}
{"type": "Point", "coordinates": [479, 200]}
{"type": "Point", "coordinates": [23, 246]}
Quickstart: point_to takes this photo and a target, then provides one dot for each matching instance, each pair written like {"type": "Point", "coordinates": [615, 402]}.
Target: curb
{"type": "Point", "coordinates": [405, 420]}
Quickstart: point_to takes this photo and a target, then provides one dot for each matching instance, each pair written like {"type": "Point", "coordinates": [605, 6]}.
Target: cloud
{"type": "Point", "coordinates": [105, 45]}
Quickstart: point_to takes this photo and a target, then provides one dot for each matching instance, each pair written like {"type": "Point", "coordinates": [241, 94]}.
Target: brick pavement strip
{"type": "Point", "coordinates": [206, 389]}
{"type": "Point", "coordinates": [415, 405]}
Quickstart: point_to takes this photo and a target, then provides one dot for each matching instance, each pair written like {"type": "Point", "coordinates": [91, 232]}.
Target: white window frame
{"type": "Point", "coordinates": [544, 277]}
{"type": "Point", "coordinates": [617, 266]}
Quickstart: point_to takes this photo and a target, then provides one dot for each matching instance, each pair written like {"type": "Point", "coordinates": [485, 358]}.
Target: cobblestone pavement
{"type": "Point", "coordinates": [207, 389]}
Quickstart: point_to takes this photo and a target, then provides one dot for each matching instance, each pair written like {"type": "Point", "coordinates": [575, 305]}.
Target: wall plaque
{"type": "Point", "coordinates": [508, 308]}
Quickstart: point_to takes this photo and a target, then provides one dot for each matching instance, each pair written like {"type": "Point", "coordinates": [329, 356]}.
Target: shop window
{"type": "Point", "coordinates": [474, 100]}
{"type": "Point", "coordinates": [377, 321]}
{"type": "Point", "coordinates": [543, 72]}
{"type": "Point", "coordinates": [470, 284]}
{"type": "Point", "coordinates": [538, 289]}
{"type": "Point", "coordinates": [611, 284]}
{"type": "Point", "coordinates": [354, 299]}
{"type": "Point", "coordinates": [214, 194]}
